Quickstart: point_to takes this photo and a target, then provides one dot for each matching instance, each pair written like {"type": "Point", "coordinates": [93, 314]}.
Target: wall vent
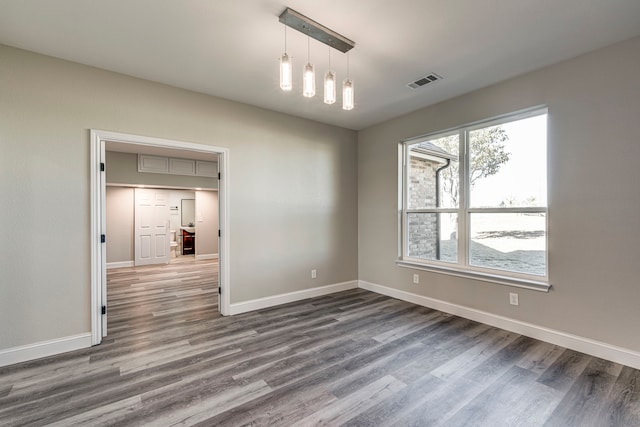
{"type": "Point", "coordinates": [423, 81]}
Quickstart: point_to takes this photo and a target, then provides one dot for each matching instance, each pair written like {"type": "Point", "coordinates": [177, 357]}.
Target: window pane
{"type": "Point", "coordinates": [433, 165]}
{"type": "Point", "coordinates": [508, 164]}
{"type": "Point", "coordinates": [509, 241]}
{"type": "Point", "coordinates": [433, 236]}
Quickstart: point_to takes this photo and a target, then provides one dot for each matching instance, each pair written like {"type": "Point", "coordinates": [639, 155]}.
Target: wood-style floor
{"type": "Point", "coordinates": [353, 358]}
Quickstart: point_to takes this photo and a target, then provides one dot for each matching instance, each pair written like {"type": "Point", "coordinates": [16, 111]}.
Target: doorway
{"type": "Point", "coordinates": [99, 139]}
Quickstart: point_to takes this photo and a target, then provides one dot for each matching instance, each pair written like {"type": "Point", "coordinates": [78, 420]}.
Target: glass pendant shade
{"type": "Point", "coordinates": [286, 68]}
{"type": "Point", "coordinates": [331, 40]}
{"type": "Point", "coordinates": [347, 94]}
{"type": "Point", "coordinates": [308, 81]}
{"type": "Point", "coordinates": [329, 87]}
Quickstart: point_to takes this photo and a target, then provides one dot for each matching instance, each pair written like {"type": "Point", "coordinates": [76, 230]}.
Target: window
{"type": "Point", "coordinates": [474, 200]}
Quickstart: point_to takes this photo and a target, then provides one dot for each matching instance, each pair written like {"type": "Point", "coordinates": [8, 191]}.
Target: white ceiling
{"type": "Point", "coordinates": [230, 48]}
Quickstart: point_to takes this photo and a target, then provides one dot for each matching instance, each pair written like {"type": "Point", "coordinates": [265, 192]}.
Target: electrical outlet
{"type": "Point", "coordinates": [513, 298]}
{"type": "Point", "coordinates": [314, 273]}
{"type": "Point", "coordinates": [416, 278]}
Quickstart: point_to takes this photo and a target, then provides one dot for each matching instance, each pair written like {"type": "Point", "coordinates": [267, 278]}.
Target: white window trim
{"type": "Point", "coordinates": [462, 268]}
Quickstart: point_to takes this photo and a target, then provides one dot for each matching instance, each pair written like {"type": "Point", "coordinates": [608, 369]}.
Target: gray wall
{"type": "Point", "coordinates": [293, 186]}
{"type": "Point", "coordinates": [122, 168]}
{"type": "Point", "coordinates": [206, 222]}
{"type": "Point", "coordinates": [594, 200]}
{"type": "Point", "coordinates": [120, 211]}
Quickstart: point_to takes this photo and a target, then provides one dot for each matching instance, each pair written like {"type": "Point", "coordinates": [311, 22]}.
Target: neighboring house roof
{"type": "Point", "coordinates": [433, 150]}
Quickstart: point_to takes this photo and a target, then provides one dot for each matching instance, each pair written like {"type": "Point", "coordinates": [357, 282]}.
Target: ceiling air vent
{"type": "Point", "coordinates": [423, 81]}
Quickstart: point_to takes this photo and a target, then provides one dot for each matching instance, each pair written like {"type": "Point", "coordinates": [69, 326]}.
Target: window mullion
{"type": "Point", "coordinates": [405, 200]}
{"type": "Point", "coordinates": [463, 216]}
{"type": "Point", "coordinates": [523, 209]}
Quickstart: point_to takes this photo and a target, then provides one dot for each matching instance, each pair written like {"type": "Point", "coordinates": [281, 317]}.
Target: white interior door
{"type": "Point", "coordinates": [151, 226]}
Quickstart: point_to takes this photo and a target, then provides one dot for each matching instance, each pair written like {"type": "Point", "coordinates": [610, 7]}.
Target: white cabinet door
{"type": "Point", "coordinates": [153, 164]}
{"type": "Point", "coordinates": [208, 169]}
{"type": "Point", "coordinates": [182, 166]}
{"type": "Point", "coordinates": [151, 226]}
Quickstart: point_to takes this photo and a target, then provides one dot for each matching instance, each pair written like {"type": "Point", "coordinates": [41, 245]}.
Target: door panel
{"type": "Point", "coordinates": [145, 247]}
{"type": "Point", "coordinates": [151, 226]}
{"type": "Point", "coordinates": [160, 245]}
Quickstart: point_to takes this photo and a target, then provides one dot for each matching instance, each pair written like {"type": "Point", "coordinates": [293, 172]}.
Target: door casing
{"type": "Point", "coordinates": [98, 139]}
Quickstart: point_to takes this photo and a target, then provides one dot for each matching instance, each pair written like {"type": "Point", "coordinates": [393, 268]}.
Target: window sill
{"type": "Point", "coordinates": [475, 275]}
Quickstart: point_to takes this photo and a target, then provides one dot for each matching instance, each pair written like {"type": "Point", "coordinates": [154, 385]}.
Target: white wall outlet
{"type": "Point", "coordinates": [416, 278]}
{"type": "Point", "coordinates": [513, 298]}
{"type": "Point", "coordinates": [314, 273]}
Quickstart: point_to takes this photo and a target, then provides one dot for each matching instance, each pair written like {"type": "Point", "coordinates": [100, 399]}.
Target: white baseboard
{"type": "Point", "coordinates": [206, 256]}
{"type": "Point", "coordinates": [584, 345]}
{"type": "Point", "coordinates": [43, 349]}
{"type": "Point", "coordinates": [120, 264]}
{"type": "Point", "coordinates": [260, 303]}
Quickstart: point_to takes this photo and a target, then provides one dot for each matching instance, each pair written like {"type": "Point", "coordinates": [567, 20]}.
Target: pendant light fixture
{"type": "Point", "coordinates": [347, 91]}
{"type": "Point", "coordinates": [308, 75]}
{"type": "Point", "coordinates": [286, 67]}
{"type": "Point", "coordinates": [329, 84]}
{"type": "Point", "coordinates": [311, 28]}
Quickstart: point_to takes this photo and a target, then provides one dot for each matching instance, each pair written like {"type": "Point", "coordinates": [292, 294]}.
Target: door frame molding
{"type": "Point", "coordinates": [98, 139]}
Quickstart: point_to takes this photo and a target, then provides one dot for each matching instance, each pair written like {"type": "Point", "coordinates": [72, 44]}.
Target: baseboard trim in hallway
{"type": "Point", "coordinates": [595, 348]}
{"type": "Point", "coordinates": [206, 256]}
{"type": "Point", "coordinates": [120, 264]}
{"type": "Point", "coordinates": [41, 349]}
{"type": "Point", "coordinates": [271, 301]}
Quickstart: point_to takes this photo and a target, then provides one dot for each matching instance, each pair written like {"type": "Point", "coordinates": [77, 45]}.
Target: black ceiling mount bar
{"type": "Point", "coordinates": [308, 26]}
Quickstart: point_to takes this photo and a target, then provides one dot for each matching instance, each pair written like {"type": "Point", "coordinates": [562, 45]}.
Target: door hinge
{"type": "Point", "coordinates": [103, 238]}
{"type": "Point", "coordinates": [219, 233]}
{"type": "Point", "coordinates": [104, 309]}
{"type": "Point", "coordinates": [219, 176]}
{"type": "Point", "coordinates": [219, 290]}
{"type": "Point", "coordinates": [101, 167]}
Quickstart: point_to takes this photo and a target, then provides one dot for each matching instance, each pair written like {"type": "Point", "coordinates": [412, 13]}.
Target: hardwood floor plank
{"type": "Point", "coordinates": [534, 405]}
{"type": "Point", "coordinates": [623, 408]}
{"type": "Point", "coordinates": [563, 372]}
{"type": "Point", "coordinates": [496, 402]}
{"type": "Point", "coordinates": [5, 390]}
{"type": "Point", "coordinates": [214, 405]}
{"type": "Point", "coordinates": [69, 404]}
{"type": "Point", "coordinates": [280, 407]}
{"type": "Point", "coordinates": [438, 403]}
{"type": "Point", "coordinates": [582, 404]}
{"type": "Point", "coordinates": [501, 361]}
{"type": "Point", "coordinates": [102, 415]}
{"type": "Point", "coordinates": [401, 403]}
{"type": "Point", "coordinates": [540, 357]}
{"type": "Point", "coordinates": [35, 391]}
{"type": "Point", "coordinates": [460, 364]}
{"type": "Point", "coordinates": [441, 355]}
{"type": "Point", "coordinates": [368, 373]}
{"type": "Point", "coordinates": [406, 326]}
{"type": "Point", "coordinates": [352, 405]}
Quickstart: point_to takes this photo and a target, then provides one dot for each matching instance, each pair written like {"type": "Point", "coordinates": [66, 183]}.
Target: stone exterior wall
{"type": "Point", "coordinates": [422, 194]}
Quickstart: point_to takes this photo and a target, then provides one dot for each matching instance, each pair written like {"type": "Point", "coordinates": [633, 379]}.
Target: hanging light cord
{"type": "Point", "coordinates": [347, 64]}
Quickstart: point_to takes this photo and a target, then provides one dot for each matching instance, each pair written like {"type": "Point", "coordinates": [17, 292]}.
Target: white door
{"type": "Point", "coordinates": [151, 226]}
